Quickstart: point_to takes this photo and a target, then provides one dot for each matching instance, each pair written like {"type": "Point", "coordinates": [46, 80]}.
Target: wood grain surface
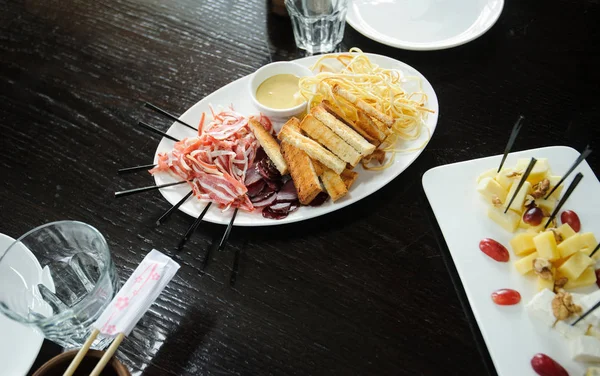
{"type": "Point", "coordinates": [363, 290]}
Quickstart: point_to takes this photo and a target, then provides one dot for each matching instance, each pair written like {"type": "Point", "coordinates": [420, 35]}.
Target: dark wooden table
{"type": "Point", "coordinates": [364, 290]}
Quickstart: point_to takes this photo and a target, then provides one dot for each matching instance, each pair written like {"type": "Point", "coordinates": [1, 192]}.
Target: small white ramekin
{"type": "Point", "coordinates": [270, 70]}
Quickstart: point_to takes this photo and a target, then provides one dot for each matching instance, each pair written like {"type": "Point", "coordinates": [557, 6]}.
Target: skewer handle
{"type": "Point", "coordinates": [79, 357]}
{"type": "Point", "coordinates": [107, 355]}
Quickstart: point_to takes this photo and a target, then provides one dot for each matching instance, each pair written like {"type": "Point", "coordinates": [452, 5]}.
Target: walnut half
{"type": "Point", "coordinates": [541, 188]}
{"type": "Point", "coordinates": [563, 306]}
{"type": "Point", "coordinates": [543, 268]}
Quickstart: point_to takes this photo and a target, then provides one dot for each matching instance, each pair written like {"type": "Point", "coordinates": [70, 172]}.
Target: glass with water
{"type": "Point", "coordinates": [58, 277]}
{"type": "Point", "coordinates": [318, 24]}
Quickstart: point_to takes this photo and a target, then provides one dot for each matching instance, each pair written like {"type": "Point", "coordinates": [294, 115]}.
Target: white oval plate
{"type": "Point", "coordinates": [19, 344]}
{"type": "Point", "coordinates": [423, 24]}
{"type": "Point", "coordinates": [235, 93]}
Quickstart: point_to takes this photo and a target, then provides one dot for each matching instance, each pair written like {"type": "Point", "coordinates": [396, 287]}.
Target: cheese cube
{"type": "Point", "coordinates": [545, 283]}
{"type": "Point", "coordinates": [504, 180]}
{"type": "Point", "coordinates": [566, 231]}
{"type": "Point", "coordinates": [585, 349]}
{"type": "Point", "coordinates": [592, 371]}
{"type": "Point", "coordinates": [570, 332]}
{"type": "Point", "coordinates": [575, 265]}
{"type": "Point", "coordinates": [522, 244]}
{"type": "Point", "coordinates": [546, 205]}
{"type": "Point", "coordinates": [491, 173]}
{"type": "Point", "coordinates": [545, 244]}
{"type": "Point", "coordinates": [589, 243]}
{"type": "Point", "coordinates": [517, 204]}
{"type": "Point", "coordinates": [570, 245]}
{"type": "Point", "coordinates": [490, 188]}
{"type": "Point", "coordinates": [539, 171]}
{"type": "Point", "coordinates": [508, 221]}
{"type": "Point", "coordinates": [553, 181]}
{"type": "Point", "coordinates": [588, 301]}
{"type": "Point", "coordinates": [540, 307]}
{"type": "Point", "coordinates": [587, 278]}
{"type": "Point", "coordinates": [525, 265]}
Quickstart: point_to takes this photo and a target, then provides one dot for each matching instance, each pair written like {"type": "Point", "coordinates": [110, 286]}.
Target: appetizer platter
{"type": "Point", "coordinates": [526, 250]}
{"type": "Point", "coordinates": [355, 122]}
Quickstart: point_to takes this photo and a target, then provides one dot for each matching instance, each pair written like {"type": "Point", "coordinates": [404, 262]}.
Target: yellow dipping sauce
{"type": "Point", "coordinates": [280, 92]}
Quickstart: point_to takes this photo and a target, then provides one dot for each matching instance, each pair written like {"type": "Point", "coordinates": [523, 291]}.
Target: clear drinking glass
{"type": "Point", "coordinates": [58, 277]}
{"type": "Point", "coordinates": [318, 24]}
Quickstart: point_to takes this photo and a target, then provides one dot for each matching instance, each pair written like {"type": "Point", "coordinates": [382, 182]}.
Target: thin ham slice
{"type": "Point", "coordinates": [265, 202]}
{"type": "Point", "coordinates": [287, 193]}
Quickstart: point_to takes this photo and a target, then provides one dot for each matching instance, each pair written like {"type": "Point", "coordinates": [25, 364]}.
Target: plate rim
{"type": "Point", "coordinates": [432, 124]}
{"type": "Point", "coordinates": [36, 347]}
{"type": "Point", "coordinates": [355, 24]}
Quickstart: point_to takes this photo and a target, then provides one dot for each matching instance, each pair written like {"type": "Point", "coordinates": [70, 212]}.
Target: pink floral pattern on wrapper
{"type": "Point", "coordinates": [110, 329]}
{"type": "Point", "coordinates": [122, 303]}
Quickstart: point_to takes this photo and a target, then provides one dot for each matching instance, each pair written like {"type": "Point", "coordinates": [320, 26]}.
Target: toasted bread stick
{"type": "Point", "coordinates": [312, 148]}
{"type": "Point", "coordinates": [339, 114]}
{"type": "Point", "coordinates": [370, 110]}
{"type": "Point", "coordinates": [303, 173]}
{"type": "Point", "coordinates": [362, 146]}
{"type": "Point", "coordinates": [349, 177]}
{"type": "Point", "coordinates": [362, 124]}
{"type": "Point", "coordinates": [334, 185]}
{"type": "Point", "coordinates": [269, 145]}
{"type": "Point", "coordinates": [325, 136]}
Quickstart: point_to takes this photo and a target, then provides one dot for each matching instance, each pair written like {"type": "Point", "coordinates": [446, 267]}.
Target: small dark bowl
{"type": "Point", "coordinates": [59, 364]}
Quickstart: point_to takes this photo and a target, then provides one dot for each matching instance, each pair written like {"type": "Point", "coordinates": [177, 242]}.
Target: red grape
{"type": "Point", "coordinates": [598, 277]}
{"type": "Point", "coordinates": [533, 216]}
{"type": "Point", "coordinates": [494, 249]}
{"type": "Point", "coordinates": [570, 217]}
{"type": "Point", "coordinates": [506, 297]}
{"type": "Point", "coordinates": [544, 365]}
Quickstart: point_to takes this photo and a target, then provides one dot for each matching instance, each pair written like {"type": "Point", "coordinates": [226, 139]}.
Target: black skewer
{"type": "Point", "coordinates": [157, 131]}
{"type": "Point", "coordinates": [145, 189]}
{"type": "Point", "coordinates": [584, 154]}
{"type": "Point", "coordinates": [511, 140]}
{"type": "Point", "coordinates": [168, 213]}
{"type": "Point", "coordinates": [595, 250]}
{"type": "Point", "coordinates": [565, 196]}
{"type": "Point", "coordinates": [222, 242]}
{"type": "Point", "coordinates": [128, 170]}
{"type": "Point", "coordinates": [585, 314]}
{"type": "Point", "coordinates": [167, 114]}
{"type": "Point", "coordinates": [193, 227]}
{"type": "Point", "coordinates": [521, 182]}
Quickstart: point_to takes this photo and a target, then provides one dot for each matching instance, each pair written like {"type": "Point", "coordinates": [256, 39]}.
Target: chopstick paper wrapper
{"type": "Point", "coordinates": [129, 305]}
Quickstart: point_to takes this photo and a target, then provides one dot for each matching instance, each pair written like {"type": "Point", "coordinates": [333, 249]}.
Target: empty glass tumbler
{"type": "Point", "coordinates": [318, 24]}
{"type": "Point", "coordinates": [58, 277]}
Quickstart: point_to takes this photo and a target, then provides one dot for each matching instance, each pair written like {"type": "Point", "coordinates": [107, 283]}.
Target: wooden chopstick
{"type": "Point", "coordinates": [167, 114]}
{"type": "Point", "coordinates": [193, 227]}
{"type": "Point", "coordinates": [145, 189]}
{"type": "Point", "coordinates": [168, 213]}
{"type": "Point", "coordinates": [128, 170]}
{"type": "Point", "coordinates": [81, 353]}
{"type": "Point", "coordinates": [107, 355]}
{"type": "Point", "coordinates": [157, 131]}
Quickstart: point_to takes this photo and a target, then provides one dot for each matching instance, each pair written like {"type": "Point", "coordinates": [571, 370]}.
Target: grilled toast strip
{"type": "Point", "coordinates": [363, 124]}
{"type": "Point", "coordinates": [334, 185]}
{"type": "Point", "coordinates": [370, 110]}
{"type": "Point", "coordinates": [339, 114]}
{"type": "Point", "coordinates": [362, 146]}
{"type": "Point", "coordinates": [312, 148]}
{"type": "Point", "coordinates": [303, 173]}
{"type": "Point", "coordinates": [325, 136]}
{"type": "Point", "coordinates": [349, 177]}
{"type": "Point", "coordinates": [269, 145]}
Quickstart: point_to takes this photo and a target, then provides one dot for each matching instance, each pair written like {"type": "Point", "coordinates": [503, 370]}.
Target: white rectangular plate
{"type": "Point", "coordinates": [511, 336]}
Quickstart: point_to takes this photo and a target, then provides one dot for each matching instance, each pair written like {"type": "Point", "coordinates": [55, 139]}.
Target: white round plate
{"type": "Point", "coordinates": [423, 24]}
{"type": "Point", "coordinates": [19, 344]}
{"type": "Point", "coordinates": [235, 94]}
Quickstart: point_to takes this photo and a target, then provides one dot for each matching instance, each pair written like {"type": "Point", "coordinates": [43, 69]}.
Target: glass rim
{"type": "Point", "coordinates": [68, 312]}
